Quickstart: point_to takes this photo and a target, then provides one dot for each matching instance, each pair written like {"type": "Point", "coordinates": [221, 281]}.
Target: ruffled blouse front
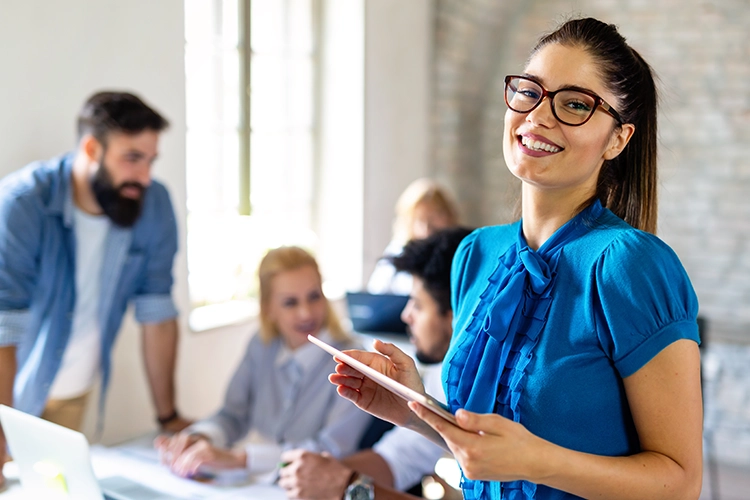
{"type": "Point", "coordinates": [503, 331]}
{"type": "Point", "coordinates": [613, 296]}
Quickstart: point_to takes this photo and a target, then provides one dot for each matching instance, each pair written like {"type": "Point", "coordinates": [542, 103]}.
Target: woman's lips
{"type": "Point", "coordinates": [533, 145]}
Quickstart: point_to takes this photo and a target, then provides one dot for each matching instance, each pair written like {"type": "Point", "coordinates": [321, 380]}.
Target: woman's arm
{"type": "Point", "coordinates": [665, 402]}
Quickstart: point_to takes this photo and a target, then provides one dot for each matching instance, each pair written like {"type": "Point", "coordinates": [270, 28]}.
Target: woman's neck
{"type": "Point", "coordinates": [544, 212]}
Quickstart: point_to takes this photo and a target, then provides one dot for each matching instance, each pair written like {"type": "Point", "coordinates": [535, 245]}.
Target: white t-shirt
{"type": "Point", "coordinates": [81, 360]}
{"type": "Point", "coordinates": [409, 454]}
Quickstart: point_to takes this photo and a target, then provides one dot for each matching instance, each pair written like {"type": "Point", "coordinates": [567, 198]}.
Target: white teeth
{"type": "Point", "coordinates": [538, 145]}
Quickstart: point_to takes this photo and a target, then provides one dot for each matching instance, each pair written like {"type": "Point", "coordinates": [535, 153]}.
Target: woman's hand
{"type": "Point", "coordinates": [185, 453]}
{"type": "Point", "coordinates": [488, 447]}
{"type": "Point", "coordinates": [371, 397]}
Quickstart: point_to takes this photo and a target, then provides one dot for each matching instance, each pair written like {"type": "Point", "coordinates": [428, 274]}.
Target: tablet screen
{"type": "Point", "coordinates": [395, 387]}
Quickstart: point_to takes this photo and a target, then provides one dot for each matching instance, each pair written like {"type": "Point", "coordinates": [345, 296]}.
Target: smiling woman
{"type": "Point", "coordinates": [280, 395]}
{"type": "Point", "coordinates": [573, 368]}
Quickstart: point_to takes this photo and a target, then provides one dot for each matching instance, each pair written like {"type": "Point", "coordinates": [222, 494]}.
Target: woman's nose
{"type": "Point", "coordinates": [542, 115]}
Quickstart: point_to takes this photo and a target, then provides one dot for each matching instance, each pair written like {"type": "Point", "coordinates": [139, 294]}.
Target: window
{"type": "Point", "coordinates": [251, 69]}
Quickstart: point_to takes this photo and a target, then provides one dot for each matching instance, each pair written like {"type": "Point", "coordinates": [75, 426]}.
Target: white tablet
{"type": "Point", "coordinates": [395, 387]}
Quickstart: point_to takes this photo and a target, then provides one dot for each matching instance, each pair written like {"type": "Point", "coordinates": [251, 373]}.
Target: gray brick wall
{"type": "Point", "coordinates": [700, 51]}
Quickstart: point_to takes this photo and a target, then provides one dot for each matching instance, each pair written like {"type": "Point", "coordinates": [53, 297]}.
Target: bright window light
{"type": "Point", "coordinates": [250, 184]}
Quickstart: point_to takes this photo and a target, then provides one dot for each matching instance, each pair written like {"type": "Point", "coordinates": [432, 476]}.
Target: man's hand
{"type": "Point", "coordinates": [313, 476]}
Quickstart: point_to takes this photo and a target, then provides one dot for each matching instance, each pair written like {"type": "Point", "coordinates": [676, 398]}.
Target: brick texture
{"type": "Point", "coordinates": [700, 51]}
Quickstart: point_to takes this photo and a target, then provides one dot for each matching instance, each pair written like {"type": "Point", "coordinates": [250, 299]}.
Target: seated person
{"type": "Point", "coordinates": [280, 394]}
{"type": "Point", "coordinates": [423, 208]}
{"type": "Point", "coordinates": [402, 457]}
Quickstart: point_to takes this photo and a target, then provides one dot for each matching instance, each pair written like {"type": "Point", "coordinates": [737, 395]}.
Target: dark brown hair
{"type": "Point", "coordinates": [106, 112]}
{"type": "Point", "coordinates": [627, 184]}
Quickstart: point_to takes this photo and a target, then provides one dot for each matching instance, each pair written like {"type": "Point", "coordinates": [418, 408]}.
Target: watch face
{"type": "Point", "coordinates": [359, 492]}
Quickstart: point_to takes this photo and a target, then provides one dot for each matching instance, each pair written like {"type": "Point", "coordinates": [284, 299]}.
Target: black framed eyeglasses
{"type": "Point", "coordinates": [571, 105]}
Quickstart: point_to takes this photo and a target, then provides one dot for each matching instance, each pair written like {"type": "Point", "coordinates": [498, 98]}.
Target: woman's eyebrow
{"type": "Point", "coordinates": [540, 80]}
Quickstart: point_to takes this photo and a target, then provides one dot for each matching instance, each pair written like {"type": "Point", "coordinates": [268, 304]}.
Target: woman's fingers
{"type": "Point", "coordinates": [188, 462]}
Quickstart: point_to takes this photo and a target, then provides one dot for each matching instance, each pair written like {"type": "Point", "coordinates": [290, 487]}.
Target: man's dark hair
{"type": "Point", "coordinates": [106, 112]}
{"type": "Point", "coordinates": [430, 259]}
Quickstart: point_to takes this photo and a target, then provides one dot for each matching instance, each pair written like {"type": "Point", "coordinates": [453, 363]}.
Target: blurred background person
{"type": "Point", "coordinates": [83, 236]}
{"type": "Point", "coordinates": [401, 458]}
{"type": "Point", "coordinates": [424, 207]}
{"type": "Point", "coordinates": [279, 397]}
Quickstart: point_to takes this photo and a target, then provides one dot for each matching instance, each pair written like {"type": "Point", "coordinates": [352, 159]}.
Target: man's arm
{"type": "Point", "coordinates": [311, 475]}
{"type": "Point", "coordinates": [160, 357]}
{"type": "Point", "coordinates": [370, 463]}
{"type": "Point", "coordinates": [7, 377]}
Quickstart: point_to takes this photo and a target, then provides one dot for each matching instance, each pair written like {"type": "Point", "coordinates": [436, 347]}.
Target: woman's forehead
{"type": "Point", "coordinates": [557, 66]}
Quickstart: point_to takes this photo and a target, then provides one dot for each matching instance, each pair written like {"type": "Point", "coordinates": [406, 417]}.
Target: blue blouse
{"type": "Point", "coordinates": [545, 337]}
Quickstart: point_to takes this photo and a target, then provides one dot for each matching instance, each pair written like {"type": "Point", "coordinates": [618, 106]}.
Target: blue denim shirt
{"type": "Point", "coordinates": [37, 273]}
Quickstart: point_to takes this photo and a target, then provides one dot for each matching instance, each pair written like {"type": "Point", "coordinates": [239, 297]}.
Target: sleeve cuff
{"type": "Point", "coordinates": [154, 308]}
{"type": "Point", "coordinates": [13, 326]}
{"type": "Point", "coordinates": [211, 430]}
{"type": "Point", "coordinates": [645, 352]}
{"type": "Point", "coordinates": [263, 458]}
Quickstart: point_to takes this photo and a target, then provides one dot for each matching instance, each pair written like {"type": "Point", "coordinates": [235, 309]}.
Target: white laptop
{"type": "Point", "coordinates": [54, 462]}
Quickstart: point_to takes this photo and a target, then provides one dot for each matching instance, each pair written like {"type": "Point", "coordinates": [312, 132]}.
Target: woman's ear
{"type": "Point", "coordinates": [619, 140]}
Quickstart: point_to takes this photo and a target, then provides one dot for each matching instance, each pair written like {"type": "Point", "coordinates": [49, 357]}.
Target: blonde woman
{"type": "Point", "coordinates": [423, 208]}
{"type": "Point", "coordinates": [280, 395]}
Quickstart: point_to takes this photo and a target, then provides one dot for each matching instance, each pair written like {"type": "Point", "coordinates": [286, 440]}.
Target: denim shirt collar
{"type": "Point", "coordinates": [61, 201]}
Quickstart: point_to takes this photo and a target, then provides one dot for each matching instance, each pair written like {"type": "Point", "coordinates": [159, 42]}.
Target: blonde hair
{"type": "Point", "coordinates": [422, 191]}
{"type": "Point", "coordinates": [280, 260]}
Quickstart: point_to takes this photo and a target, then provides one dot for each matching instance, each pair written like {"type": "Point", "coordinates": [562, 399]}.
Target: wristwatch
{"type": "Point", "coordinates": [360, 488]}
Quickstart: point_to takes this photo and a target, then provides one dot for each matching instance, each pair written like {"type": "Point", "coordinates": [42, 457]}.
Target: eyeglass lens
{"type": "Point", "coordinates": [569, 106]}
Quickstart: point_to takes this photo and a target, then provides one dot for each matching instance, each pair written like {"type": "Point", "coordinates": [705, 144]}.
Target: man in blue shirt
{"type": "Point", "coordinates": [82, 236]}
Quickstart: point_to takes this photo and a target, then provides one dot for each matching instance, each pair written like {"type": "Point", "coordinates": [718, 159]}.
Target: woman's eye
{"type": "Point", "coordinates": [315, 296]}
{"type": "Point", "coordinates": [529, 93]}
{"type": "Point", "coordinates": [577, 105]}
{"type": "Point", "coordinates": [290, 303]}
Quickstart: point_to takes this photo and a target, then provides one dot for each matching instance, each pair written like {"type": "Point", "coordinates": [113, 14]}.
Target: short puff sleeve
{"type": "Point", "coordinates": [643, 300]}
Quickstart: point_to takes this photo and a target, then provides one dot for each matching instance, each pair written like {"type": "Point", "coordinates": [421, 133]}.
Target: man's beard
{"type": "Point", "coordinates": [121, 210]}
{"type": "Point", "coordinates": [423, 357]}
{"type": "Point", "coordinates": [427, 359]}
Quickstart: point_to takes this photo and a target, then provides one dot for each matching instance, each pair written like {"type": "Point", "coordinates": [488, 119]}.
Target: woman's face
{"type": "Point", "coordinates": [572, 156]}
{"type": "Point", "coordinates": [296, 305]}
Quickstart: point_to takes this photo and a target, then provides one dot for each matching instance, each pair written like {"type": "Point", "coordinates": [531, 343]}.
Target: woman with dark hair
{"type": "Point", "coordinates": [574, 368]}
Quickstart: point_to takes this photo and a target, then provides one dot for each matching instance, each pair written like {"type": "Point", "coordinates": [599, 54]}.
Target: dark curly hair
{"type": "Point", "coordinates": [430, 260]}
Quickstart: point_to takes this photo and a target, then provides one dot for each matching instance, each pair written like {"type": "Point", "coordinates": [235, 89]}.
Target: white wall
{"type": "Point", "coordinates": [341, 144]}
{"type": "Point", "coordinates": [398, 55]}
{"type": "Point", "coordinates": [54, 54]}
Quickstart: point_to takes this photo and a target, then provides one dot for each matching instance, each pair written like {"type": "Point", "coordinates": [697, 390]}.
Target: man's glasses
{"type": "Point", "coordinates": [571, 106]}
